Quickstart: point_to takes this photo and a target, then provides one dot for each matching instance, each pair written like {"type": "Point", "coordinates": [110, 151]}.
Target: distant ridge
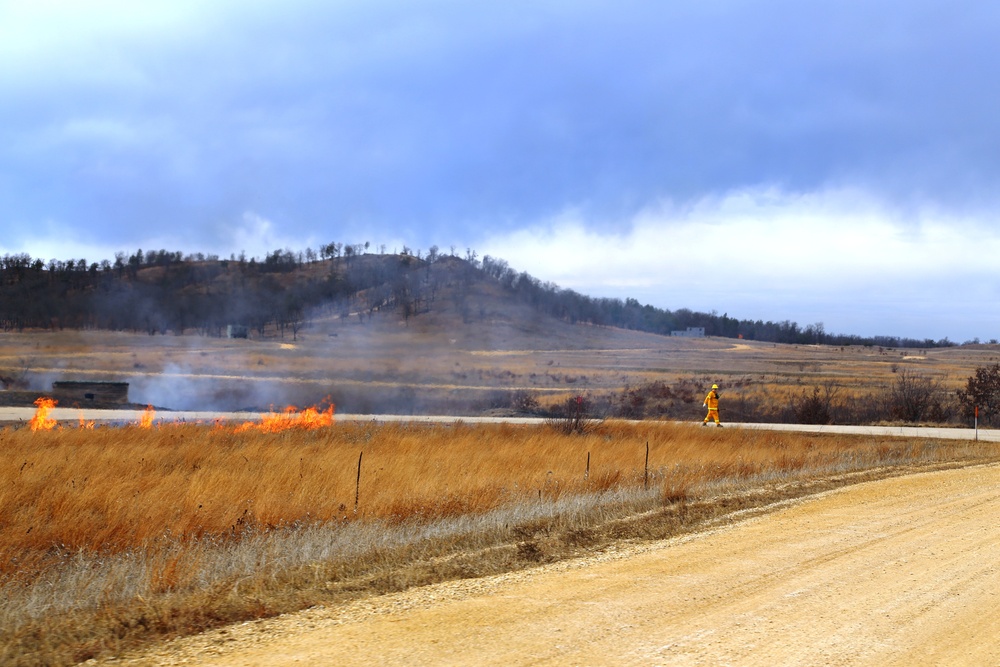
{"type": "Point", "coordinates": [161, 292]}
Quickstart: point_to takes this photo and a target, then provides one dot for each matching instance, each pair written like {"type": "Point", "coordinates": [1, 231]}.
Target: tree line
{"type": "Point", "coordinates": [160, 291]}
{"type": "Point", "coordinates": [630, 314]}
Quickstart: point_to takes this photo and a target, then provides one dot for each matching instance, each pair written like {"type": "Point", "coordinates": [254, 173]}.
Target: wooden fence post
{"type": "Point", "coordinates": [357, 487]}
{"type": "Point", "coordinates": [645, 474]}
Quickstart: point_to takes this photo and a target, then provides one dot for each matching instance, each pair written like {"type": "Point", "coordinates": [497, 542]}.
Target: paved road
{"type": "Point", "coordinates": [74, 415]}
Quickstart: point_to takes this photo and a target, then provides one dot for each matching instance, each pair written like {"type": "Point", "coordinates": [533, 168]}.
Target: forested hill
{"type": "Point", "coordinates": [161, 291]}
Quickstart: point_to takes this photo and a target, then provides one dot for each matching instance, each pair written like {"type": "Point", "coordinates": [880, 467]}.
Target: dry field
{"type": "Point", "coordinates": [111, 538]}
{"type": "Point", "coordinates": [430, 367]}
{"type": "Point", "coordinates": [115, 537]}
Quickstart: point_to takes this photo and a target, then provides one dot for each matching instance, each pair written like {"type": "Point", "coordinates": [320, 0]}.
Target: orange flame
{"type": "Point", "coordinates": [41, 421]}
{"type": "Point", "coordinates": [84, 423]}
{"type": "Point", "coordinates": [147, 417]}
{"type": "Point", "coordinates": [273, 422]}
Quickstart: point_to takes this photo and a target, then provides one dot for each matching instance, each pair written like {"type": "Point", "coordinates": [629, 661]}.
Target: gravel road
{"type": "Point", "coordinates": [902, 571]}
{"type": "Point", "coordinates": [71, 416]}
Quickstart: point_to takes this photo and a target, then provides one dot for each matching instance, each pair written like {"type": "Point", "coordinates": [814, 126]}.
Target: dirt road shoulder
{"type": "Point", "coordinates": [899, 571]}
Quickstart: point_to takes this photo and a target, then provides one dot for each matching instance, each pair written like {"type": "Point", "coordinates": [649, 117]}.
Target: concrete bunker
{"type": "Point", "coordinates": [90, 393]}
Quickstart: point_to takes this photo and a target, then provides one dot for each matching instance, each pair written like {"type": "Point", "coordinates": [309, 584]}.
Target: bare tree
{"type": "Point", "coordinates": [819, 407]}
{"type": "Point", "coordinates": [913, 397]}
{"type": "Point", "coordinates": [982, 390]}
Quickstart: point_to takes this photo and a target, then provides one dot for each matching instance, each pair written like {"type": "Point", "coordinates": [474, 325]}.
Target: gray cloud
{"type": "Point", "coordinates": [450, 122]}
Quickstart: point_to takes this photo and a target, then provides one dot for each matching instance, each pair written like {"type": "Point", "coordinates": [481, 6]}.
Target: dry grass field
{"type": "Point", "coordinates": [114, 537]}
{"type": "Point", "coordinates": [432, 366]}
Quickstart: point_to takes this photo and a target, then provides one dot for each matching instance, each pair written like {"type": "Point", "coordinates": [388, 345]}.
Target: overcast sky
{"type": "Point", "coordinates": [826, 161]}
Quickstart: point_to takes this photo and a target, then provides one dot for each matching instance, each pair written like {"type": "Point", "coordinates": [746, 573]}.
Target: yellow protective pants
{"type": "Point", "coordinates": [713, 413]}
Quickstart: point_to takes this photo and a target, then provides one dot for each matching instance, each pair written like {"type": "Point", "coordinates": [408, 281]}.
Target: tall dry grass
{"type": "Point", "coordinates": [113, 489]}
{"type": "Point", "coordinates": [110, 536]}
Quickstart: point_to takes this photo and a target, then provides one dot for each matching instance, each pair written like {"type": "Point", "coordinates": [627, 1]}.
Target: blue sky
{"type": "Point", "coordinates": [827, 161]}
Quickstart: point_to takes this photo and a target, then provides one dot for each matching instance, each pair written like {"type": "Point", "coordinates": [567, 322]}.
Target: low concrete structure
{"type": "Point", "coordinates": [690, 332]}
{"type": "Point", "coordinates": [237, 331]}
{"type": "Point", "coordinates": [90, 393]}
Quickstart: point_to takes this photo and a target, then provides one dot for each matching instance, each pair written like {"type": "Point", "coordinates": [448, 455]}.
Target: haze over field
{"type": "Point", "coordinates": [820, 162]}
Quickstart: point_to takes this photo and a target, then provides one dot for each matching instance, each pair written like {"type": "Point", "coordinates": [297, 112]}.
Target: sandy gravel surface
{"type": "Point", "coordinates": [904, 571]}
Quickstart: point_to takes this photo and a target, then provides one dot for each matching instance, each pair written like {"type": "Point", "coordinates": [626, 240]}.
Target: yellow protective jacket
{"type": "Point", "coordinates": [712, 400]}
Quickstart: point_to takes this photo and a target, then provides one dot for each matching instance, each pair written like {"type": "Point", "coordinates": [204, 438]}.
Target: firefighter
{"type": "Point", "coordinates": [712, 403]}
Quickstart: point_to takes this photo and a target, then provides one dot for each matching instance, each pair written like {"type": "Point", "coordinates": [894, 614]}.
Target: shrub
{"type": "Point", "coordinates": [573, 415]}
{"type": "Point", "coordinates": [813, 409]}
{"type": "Point", "coordinates": [525, 401]}
{"type": "Point", "coordinates": [912, 398]}
{"type": "Point", "coordinates": [982, 390]}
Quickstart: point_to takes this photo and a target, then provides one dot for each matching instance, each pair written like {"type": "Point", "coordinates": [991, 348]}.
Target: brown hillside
{"type": "Point", "coordinates": [446, 338]}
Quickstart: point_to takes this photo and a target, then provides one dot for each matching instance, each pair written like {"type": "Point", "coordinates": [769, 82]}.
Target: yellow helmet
{"type": "Point", "coordinates": [715, 386]}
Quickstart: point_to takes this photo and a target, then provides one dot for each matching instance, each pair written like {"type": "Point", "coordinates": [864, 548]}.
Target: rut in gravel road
{"type": "Point", "coordinates": [902, 571]}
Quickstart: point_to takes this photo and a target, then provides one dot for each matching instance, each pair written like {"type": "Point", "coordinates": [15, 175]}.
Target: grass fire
{"type": "Point", "coordinates": [291, 418]}
{"type": "Point", "coordinates": [41, 420]}
{"type": "Point", "coordinates": [272, 422]}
